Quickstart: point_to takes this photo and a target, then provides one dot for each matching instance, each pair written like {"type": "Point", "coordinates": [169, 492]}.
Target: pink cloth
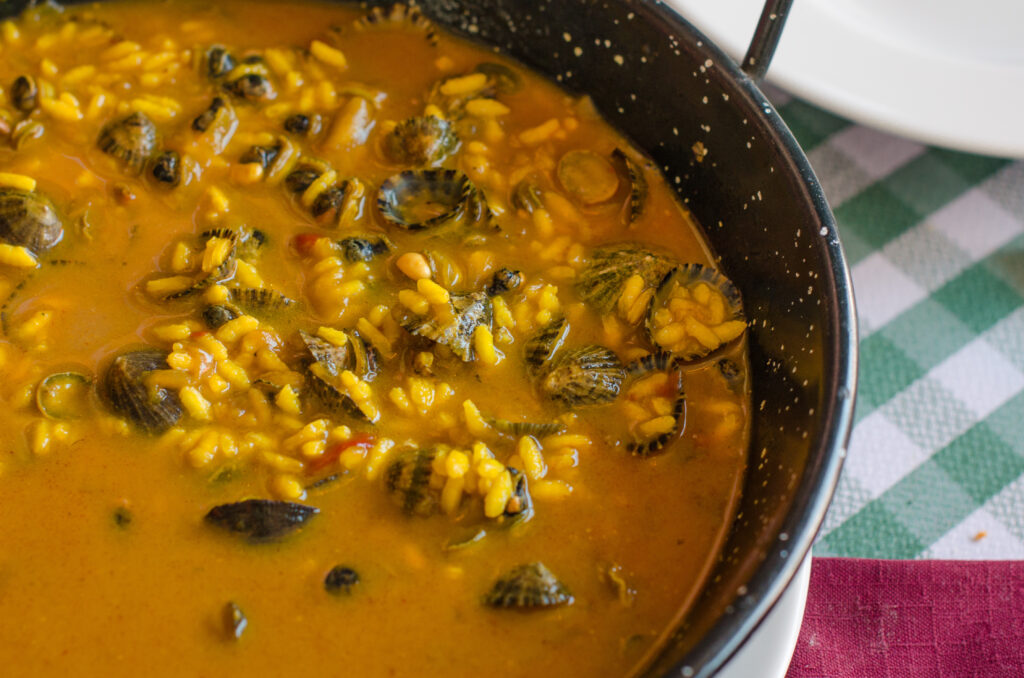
{"type": "Point", "coordinates": [912, 619]}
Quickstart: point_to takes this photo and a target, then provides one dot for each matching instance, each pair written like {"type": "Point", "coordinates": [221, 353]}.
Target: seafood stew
{"type": "Point", "coordinates": [337, 339]}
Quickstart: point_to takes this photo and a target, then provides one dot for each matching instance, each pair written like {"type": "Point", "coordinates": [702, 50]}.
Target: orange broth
{"type": "Point", "coordinates": [107, 565]}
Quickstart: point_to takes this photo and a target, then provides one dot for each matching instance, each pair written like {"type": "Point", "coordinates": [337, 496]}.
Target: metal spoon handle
{"type": "Point", "coordinates": [766, 38]}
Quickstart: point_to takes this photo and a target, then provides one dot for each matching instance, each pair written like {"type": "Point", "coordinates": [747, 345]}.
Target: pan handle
{"type": "Point", "coordinates": [766, 38]}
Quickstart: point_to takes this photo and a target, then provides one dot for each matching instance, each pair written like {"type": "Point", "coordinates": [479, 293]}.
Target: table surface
{"type": "Point", "coordinates": [935, 241]}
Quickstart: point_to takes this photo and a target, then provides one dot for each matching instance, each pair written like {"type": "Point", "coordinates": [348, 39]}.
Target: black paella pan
{"type": "Point", "coordinates": [732, 160]}
{"type": "Point", "coordinates": [722, 146]}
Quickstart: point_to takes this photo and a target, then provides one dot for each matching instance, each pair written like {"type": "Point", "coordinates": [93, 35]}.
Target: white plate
{"type": "Point", "coordinates": [768, 651]}
{"type": "Point", "coordinates": [945, 72]}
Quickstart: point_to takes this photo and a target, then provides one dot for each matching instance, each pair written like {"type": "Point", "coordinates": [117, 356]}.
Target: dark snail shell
{"type": "Point", "coordinates": [641, 367]}
{"type": "Point", "coordinates": [407, 478]}
{"type": "Point", "coordinates": [216, 315]}
{"type": "Point", "coordinates": [688, 276]}
{"type": "Point", "coordinates": [305, 173]}
{"type": "Point", "coordinates": [252, 87]}
{"type": "Point", "coordinates": [398, 16]}
{"type": "Point", "coordinates": [259, 155]}
{"type": "Point", "coordinates": [225, 271]}
{"type": "Point", "coordinates": [420, 141]}
{"type": "Point", "coordinates": [340, 204]}
{"type": "Point", "coordinates": [261, 520]}
{"type": "Point", "coordinates": [341, 580]}
{"type": "Point", "coordinates": [131, 139]}
{"type": "Point", "coordinates": [601, 281]}
{"type": "Point", "coordinates": [637, 186]}
{"type": "Point", "coordinates": [167, 168]}
{"type": "Point", "coordinates": [527, 196]}
{"type": "Point", "coordinates": [24, 93]}
{"type": "Point", "coordinates": [504, 280]}
{"type": "Point", "coordinates": [124, 390]}
{"type": "Point", "coordinates": [422, 199]}
{"type": "Point", "coordinates": [355, 355]}
{"type": "Point", "coordinates": [528, 587]}
{"type": "Point", "coordinates": [542, 346]}
{"type": "Point", "coordinates": [29, 219]}
{"type": "Point", "coordinates": [219, 62]}
{"type": "Point", "coordinates": [263, 302]}
{"type": "Point", "coordinates": [327, 361]}
{"type": "Point", "coordinates": [298, 124]}
{"type": "Point", "coordinates": [468, 311]}
{"type": "Point", "coordinates": [500, 78]}
{"type": "Point", "coordinates": [356, 249]}
{"type": "Point", "coordinates": [526, 428]}
{"type": "Point", "coordinates": [586, 375]}
{"type": "Point", "coordinates": [331, 397]}
{"type": "Point", "coordinates": [219, 119]}
{"type": "Point", "coordinates": [519, 507]}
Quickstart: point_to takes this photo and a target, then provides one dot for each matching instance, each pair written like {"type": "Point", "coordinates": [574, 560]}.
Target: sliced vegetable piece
{"type": "Point", "coordinates": [588, 177]}
{"type": "Point", "coordinates": [64, 395]}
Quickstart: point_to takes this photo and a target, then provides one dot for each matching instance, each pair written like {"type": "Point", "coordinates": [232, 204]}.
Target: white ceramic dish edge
{"type": "Point", "coordinates": [831, 57]}
{"type": "Point", "coordinates": [769, 650]}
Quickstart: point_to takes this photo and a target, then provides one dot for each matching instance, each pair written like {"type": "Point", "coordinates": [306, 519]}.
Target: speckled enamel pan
{"type": "Point", "coordinates": [733, 162]}
{"type": "Point", "coordinates": [736, 166]}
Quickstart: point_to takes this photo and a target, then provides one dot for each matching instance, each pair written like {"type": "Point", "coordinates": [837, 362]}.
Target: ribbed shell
{"type": "Point", "coordinates": [29, 220]}
{"type": "Point", "coordinates": [587, 375]}
{"type": "Point", "coordinates": [420, 141]}
{"type": "Point", "coordinates": [408, 480]}
{"type": "Point", "coordinates": [526, 196]}
{"type": "Point", "coordinates": [131, 139]}
{"type": "Point", "coordinates": [528, 587]}
{"type": "Point", "coordinates": [261, 520]}
{"type": "Point", "coordinates": [417, 200]}
{"type": "Point", "coordinates": [124, 390]}
{"type": "Point", "coordinates": [355, 355]}
{"type": "Point", "coordinates": [526, 428]}
{"type": "Point", "coordinates": [637, 186]}
{"type": "Point", "coordinates": [398, 15]}
{"type": "Point", "coordinates": [468, 311]}
{"type": "Point", "coordinates": [686, 275]}
{"type": "Point", "coordinates": [263, 302]}
{"type": "Point", "coordinates": [600, 282]}
{"type": "Point", "coordinates": [641, 367]}
{"type": "Point", "coordinates": [544, 344]}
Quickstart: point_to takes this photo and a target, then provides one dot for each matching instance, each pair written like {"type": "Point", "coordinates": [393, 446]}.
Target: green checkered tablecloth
{"type": "Point", "coordinates": [935, 241]}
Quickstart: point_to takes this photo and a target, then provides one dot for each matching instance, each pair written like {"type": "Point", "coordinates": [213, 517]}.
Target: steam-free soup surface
{"type": "Point", "coordinates": [278, 252]}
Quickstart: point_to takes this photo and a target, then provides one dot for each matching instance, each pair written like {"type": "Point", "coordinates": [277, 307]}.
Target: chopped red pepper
{"type": "Point", "coordinates": [332, 453]}
{"type": "Point", "coordinates": [303, 243]}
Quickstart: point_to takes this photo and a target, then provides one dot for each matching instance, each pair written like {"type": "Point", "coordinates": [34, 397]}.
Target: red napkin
{"type": "Point", "coordinates": [912, 619]}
